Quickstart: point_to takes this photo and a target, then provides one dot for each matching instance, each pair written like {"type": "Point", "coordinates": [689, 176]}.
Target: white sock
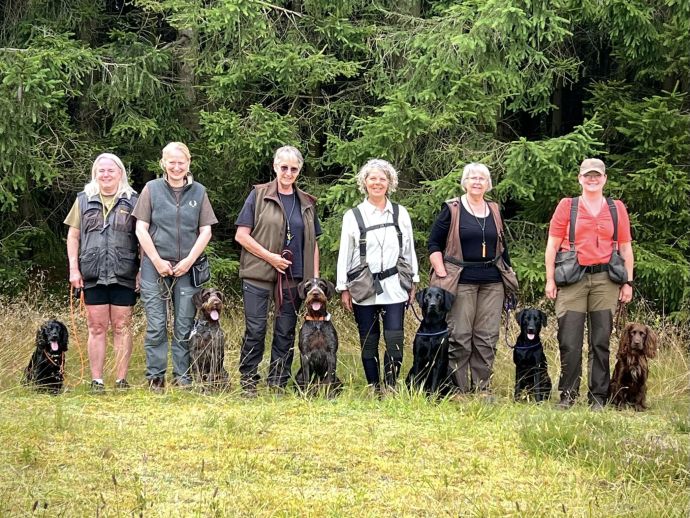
{"type": "Point", "coordinates": [98, 380]}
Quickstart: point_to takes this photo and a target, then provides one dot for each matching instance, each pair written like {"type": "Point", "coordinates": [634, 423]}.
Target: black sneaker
{"type": "Point", "coordinates": [157, 384]}
{"type": "Point", "coordinates": [97, 387]}
{"type": "Point", "coordinates": [121, 384]}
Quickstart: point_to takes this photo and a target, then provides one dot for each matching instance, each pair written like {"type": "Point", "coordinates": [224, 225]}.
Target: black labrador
{"type": "Point", "coordinates": [430, 348]}
{"type": "Point", "coordinates": [531, 374]}
{"type": "Point", "coordinates": [46, 369]}
{"type": "Point", "coordinates": [318, 339]}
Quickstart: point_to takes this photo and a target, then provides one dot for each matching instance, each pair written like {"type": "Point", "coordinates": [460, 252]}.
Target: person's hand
{"type": "Point", "coordinates": [346, 299]}
{"type": "Point", "coordinates": [163, 267]}
{"type": "Point", "coordinates": [551, 290]}
{"type": "Point", "coordinates": [441, 273]}
{"type": "Point", "coordinates": [75, 278]}
{"type": "Point", "coordinates": [137, 282]}
{"type": "Point", "coordinates": [182, 267]}
{"type": "Point", "coordinates": [278, 262]}
{"type": "Point", "coordinates": [625, 294]}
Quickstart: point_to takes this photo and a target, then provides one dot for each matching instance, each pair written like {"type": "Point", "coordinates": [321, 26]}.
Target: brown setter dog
{"type": "Point", "coordinates": [629, 382]}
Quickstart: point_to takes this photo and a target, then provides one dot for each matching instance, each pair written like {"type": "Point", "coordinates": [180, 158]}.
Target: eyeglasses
{"type": "Point", "coordinates": [288, 169]}
{"type": "Point", "coordinates": [477, 179]}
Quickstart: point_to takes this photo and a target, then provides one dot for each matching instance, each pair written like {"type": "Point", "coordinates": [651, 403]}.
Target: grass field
{"type": "Point", "coordinates": [183, 453]}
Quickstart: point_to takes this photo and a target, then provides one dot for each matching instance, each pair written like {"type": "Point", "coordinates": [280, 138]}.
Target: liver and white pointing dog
{"type": "Point", "coordinates": [430, 364]}
{"type": "Point", "coordinates": [318, 340]}
{"type": "Point", "coordinates": [207, 341]}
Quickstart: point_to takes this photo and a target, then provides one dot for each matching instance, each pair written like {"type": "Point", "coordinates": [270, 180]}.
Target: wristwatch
{"type": "Point", "coordinates": [630, 283]}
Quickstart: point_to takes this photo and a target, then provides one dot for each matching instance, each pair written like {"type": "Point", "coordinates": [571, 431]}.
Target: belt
{"type": "Point", "coordinates": [597, 268]}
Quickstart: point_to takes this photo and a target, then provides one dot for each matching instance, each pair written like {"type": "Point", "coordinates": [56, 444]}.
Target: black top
{"type": "Point", "coordinates": [471, 243]}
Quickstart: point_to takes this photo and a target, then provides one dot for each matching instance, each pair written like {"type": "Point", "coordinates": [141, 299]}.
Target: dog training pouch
{"type": "Point", "coordinates": [450, 281]}
{"type": "Point", "coordinates": [360, 283]}
{"type": "Point", "coordinates": [510, 282]}
{"type": "Point", "coordinates": [617, 272]}
{"type": "Point", "coordinates": [568, 269]}
{"type": "Point", "coordinates": [201, 271]}
{"type": "Point", "coordinates": [405, 274]}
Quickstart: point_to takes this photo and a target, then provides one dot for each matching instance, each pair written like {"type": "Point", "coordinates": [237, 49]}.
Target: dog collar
{"type": "Point", "coordinates": [326, 318]}
{"type": "Point", "coordinates": [445, 331]}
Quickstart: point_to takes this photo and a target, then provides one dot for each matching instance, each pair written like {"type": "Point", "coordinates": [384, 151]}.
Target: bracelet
{"type": "Point", "coordinates": [630, 283]}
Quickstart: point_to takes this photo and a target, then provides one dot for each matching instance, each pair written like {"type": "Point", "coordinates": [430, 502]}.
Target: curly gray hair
{"type": "Point", "coordinates": [475, 169]}
{"type": "Point", "coordinates": [288, 150]}
{"type": "Point", "coordinates": [377, 164]}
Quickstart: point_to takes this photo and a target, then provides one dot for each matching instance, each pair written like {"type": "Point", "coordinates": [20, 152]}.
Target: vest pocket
{"type": "Point", "coordinates": [92, 220]}
{"type": "Point", "coordinates": [123, 221]}
{"type": "Point", "coordinates": [89, 265]}
{"type": "Point", "coordinates": [127, 263]}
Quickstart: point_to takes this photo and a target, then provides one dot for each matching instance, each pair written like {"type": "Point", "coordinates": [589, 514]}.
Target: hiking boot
{"type": "Point", "coordinates": [97, 387]}
{"type": "Point", "coordinates": [182, 383]}
{"type": "Point", "coordinates": [122, 384]}
{"type": "Point", "coordinates": [157, 384]}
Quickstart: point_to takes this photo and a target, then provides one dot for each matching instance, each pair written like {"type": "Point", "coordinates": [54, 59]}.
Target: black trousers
{"type": "Point", "coordinates": [256, 305]}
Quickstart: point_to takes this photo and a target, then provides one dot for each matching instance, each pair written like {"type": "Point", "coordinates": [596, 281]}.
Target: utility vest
{"type": "Point", "coordinates": [108, 248]}
{"type": "Point", "coordinates": [174, 225]}
{"type": "Point", "coordinates": [269, 231]}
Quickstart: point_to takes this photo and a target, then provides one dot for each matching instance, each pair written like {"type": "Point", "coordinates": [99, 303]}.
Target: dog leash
{"type": "Point", "coordinates": [285, 254]}
{"type": "Point", "coordinates": [74, 327]}
{"type": "Point", "coordinates": [62, 362]}
{"type": "Point", "coordinates": [621, 314]}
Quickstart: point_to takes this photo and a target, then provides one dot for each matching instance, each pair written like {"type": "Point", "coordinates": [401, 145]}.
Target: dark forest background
{"type": "Point", "coordinates": [529, 87]}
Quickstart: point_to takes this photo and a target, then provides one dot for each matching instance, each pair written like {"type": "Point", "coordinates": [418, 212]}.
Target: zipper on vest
{"type": "Point", "coordinates": [179, 246]}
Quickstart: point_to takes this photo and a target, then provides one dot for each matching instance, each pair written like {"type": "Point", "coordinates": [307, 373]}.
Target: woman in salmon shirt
{"type": "Point", "coordinates": [595, 296]}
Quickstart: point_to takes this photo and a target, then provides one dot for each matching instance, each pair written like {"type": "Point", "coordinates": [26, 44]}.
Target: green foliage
{"type": "Point", "coordinates": [429, 86]}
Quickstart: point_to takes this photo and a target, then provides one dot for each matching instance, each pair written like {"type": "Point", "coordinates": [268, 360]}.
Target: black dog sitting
{"type": "Point", "coordinates": [531, 373]}
{"type": "Point", "coordinates": [46, 369]}
{"type": "Point", "coordinates": [430, 349]}
{"type": "Point", "coordinates": [318, 340]}
{"type": "Point", "coordinates": [207, 341]}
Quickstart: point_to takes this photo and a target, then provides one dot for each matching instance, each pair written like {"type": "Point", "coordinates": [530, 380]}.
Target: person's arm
{"type": "Point", "coordinates": [202, 240]}
{"type": "Point", "coordinates": [163, 267]}
{"type": "Point", "coordinates": [552, 246]}
{"type": "Point", "coordinates": [437, 241]}
{"type": "Point", "coordinates": [344, 261]}
{"type": "Point", "coordinates": [626, 291]}
{"type": "Point", "coordinates": [317, 259]}
{"type": "Point", "coordinates": [73, 237]}
{"type": "Point", "coordinates": [244, 238]}
{"type": "Point", "coordinates": [436, 260]}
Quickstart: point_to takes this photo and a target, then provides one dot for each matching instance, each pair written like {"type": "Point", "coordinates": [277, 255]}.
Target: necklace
{"type": "Point", "coordinates": [482, 225]}
{"type": "Point", "coordinates": [288, 235]}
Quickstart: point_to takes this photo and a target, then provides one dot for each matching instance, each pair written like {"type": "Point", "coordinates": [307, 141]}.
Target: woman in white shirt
{"type": "Point", "coordinates": [385, 244]}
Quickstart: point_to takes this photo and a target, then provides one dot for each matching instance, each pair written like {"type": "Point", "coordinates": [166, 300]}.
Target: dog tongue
{"type": "Point", "coordinates": [316, 306]}
{"type": "Point", "coordinates": [214, 314]}
{"type": "Point", "coordinates": [530, 336]}
{"type": "Point", "coordinates": [54, 345]}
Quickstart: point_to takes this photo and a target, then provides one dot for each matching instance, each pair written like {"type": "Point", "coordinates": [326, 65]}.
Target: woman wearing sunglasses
{"type": "Point", "coordinates": [277, 229]}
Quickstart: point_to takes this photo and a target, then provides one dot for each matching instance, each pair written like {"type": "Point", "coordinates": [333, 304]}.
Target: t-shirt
{"type": "Point", "coordinates": [73, 218]}
{"type": "Point", "coordinates": [593, 235]}
{"type": "Point", "coordinates": [143, 209]}
{"type": "Point", "coordinates": [293, 208]}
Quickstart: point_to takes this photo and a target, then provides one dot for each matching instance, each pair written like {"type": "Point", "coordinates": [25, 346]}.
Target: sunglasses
{"type": "Point", "coordinates": [287, 169]}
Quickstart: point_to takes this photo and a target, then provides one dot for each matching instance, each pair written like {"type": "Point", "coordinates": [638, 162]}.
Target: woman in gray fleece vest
{"type": "Point", "coordinates": [174, 218]}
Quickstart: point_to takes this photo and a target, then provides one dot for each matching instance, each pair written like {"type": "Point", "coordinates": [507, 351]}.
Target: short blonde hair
{"type": "Point", "coordinates": [475, 168]}
{"type": "Point", "coordinates": [175, 146]}
{"type": "Point", "coordinates": [288, 150]}
{"type": "Point", "coordinates": [123, 189]}
{"type": "Point", "coordinates": [377, 164]}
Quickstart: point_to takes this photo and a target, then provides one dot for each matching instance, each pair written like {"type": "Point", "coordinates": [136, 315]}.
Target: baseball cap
{"type": "Point", "coordinates": [592, 165]}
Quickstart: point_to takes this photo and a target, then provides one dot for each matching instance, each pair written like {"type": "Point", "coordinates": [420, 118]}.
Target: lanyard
{"type": "Point", "coordinates": [106, 209]}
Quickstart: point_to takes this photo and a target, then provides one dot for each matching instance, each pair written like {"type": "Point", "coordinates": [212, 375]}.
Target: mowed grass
{"type": "Point", "coordinates": [184, 453]}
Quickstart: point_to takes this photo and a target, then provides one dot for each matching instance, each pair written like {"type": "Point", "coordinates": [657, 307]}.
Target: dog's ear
{"type": "Point", "coordinates": [198, 298]}
{"type": "Point", "coordinates": [300, 288]}
{"type": "Point", "coordinates": [330, 288]}
{"type": "Point", "coordinates": [518, 316]}
{"type": "Point", "coordinates": [64, 335]}
{"type": "Point", "coordinates": [419, 297]}
{"type": "Point", "coordinates": [448, 299]}
{"type": "Point", "coordinates": [650, 342]}
{"type": "Point", "coordinates": [624, 346]}
{"type": "Point", "coordinates": [543, 318]}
